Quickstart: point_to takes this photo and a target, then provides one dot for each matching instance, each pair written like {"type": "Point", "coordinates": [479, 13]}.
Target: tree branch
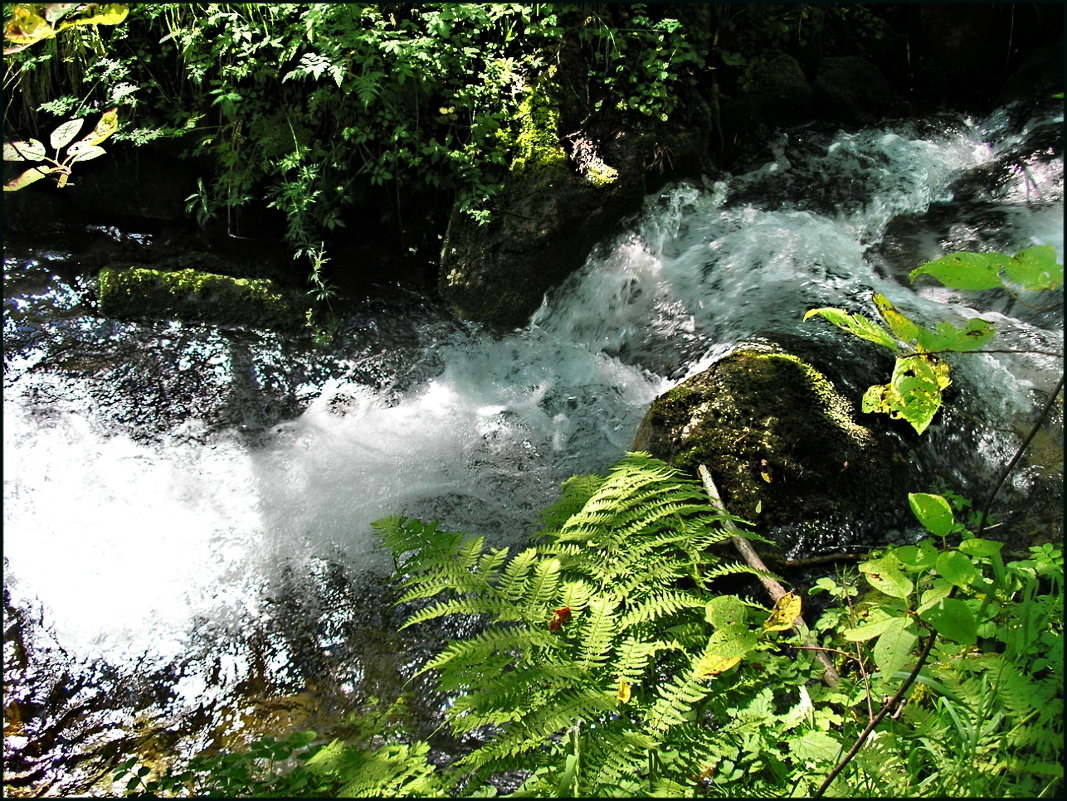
{"type": "Point", "coordinates": [774, 588]}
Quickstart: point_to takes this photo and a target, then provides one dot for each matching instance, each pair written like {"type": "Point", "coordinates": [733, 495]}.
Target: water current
{"type": "Point", "coordinates": [188, 551]}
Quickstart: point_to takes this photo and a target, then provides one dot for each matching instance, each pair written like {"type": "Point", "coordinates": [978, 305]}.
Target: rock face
{"type": "Point", "coordinates": [850, 89]}
{"type": "Point", "coordinates": [139, 293]}
{"type": "Point", "coordinates": [782, 446]}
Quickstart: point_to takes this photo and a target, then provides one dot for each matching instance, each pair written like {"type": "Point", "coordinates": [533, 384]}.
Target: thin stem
{"type": "Point", "coordinates": [1018, 455]}
{"type": "Point", "coordinates": [890, 704]}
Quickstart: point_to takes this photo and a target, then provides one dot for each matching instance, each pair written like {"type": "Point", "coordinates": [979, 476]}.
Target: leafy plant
{"type": "Point", "coordinates": [66, 151]}
{"type": "Point", "coordinates": [919, 373]}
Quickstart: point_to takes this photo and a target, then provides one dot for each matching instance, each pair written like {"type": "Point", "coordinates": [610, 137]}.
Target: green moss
{"type": "Point", "coordinates": [601, 174]}
{"type": "Point", "coordinates": [196, 296]}
{"type": "Point", "coordinates": [774, 432]}
{"type": "Point", "coordinates": [537, 143]}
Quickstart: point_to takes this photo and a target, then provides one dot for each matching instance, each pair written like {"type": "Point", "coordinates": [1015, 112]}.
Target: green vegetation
{"type": "Point", "coordinates": [919, 374]}
{"type": "Point", "coordinates": [618, 658]}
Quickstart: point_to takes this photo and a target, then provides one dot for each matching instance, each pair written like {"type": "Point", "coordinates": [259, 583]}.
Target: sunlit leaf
{"type": "Point", "coordinates": [884, 575]}
{"type": "Point", "coordinates": [964, 270]}
{"type": "Point", "coordinates": [956, 568]}
{"type": "Point", "coordinates": [857, 325]}
{"type": "Point", "coordinates": [901, 327]}
{"type": "Point", "coordinates": [65, 133]}
{"type": "Point", "coordinates": [83, 151]}
{"type": "Point", "coordinates": [25, 27]}
{"type": "Point", "coordinates": [713, 664]}
{"type": "Point", "coordinates": [99, 14]}
{"type": "Point", "coordinates": [815, 746]}
{"type": "Point", "coordinates": [977, 546]}
{"type": "Point", "coordinates": [26, 178]}
{"type": "Point", "coordinates": [54, 11]}
{"type": "Point", "coordinates": [105, 126]}
{"type": "Point", "coordinates": [892, 651]}
{"type": "Point", "coordinates": [623, 693]}
{"type": "Point", "coordinates": [1035, 268]}
{"type": "Point", "coordinates": [30, 150]}
{"type": "Point", "coordinates": [868, 631]}
{"type": "Point", "coordinates": [974, 334]}
{"type": "Point", "coordinates": [784, 614]}
{"type": "Point", "coordinates": [913, 394]}
{"type": "Point", "coordinates": [724, 611]}
{"type": "Point", "coordinates": [933, 512]}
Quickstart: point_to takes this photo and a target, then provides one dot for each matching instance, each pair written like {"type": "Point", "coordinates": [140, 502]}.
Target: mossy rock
{"type": "Point", "coordinates": [139, 293]}
{"type": "Point", "coordinates": [783, 447]}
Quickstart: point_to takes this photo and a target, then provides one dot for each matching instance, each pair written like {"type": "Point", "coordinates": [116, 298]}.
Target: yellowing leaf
{"type": "Point", "coordinates": [785, 612]}
{"type": "Point", "coordinates": [713, 664]}
{"type": "Point", "coordinates": [99, 14]}
{"type": "Point", "coordinates": [26, 27]}
{"type": "Point", "coordinates": [623, 693]}
{"type": "Point", "coordinates": [901, 326]}
{"type": "Point", "coordinates": [107, 125]}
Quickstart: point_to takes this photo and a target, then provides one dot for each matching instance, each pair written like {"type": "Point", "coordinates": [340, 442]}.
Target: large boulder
{"type": "Point", "coordinates": [783, 447]}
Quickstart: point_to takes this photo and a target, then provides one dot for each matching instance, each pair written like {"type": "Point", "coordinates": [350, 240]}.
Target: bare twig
{"type": "Point", "coordinates": [774, 588]}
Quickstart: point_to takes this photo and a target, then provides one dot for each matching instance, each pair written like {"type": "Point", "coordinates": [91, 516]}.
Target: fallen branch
{"type": "Point", "coordinates": [774, 588]}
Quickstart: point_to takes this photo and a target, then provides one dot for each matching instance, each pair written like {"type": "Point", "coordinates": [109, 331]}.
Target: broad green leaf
{"type": "Point", "coordinates": [857, 325]}
{"type": "Point", "coordinates": [885, 576]}
{"type": "Point", "coordinates": [26, 178]}
{"type": "Point", "coordinates": [956, 568]}
{"type": "Point", "coordinates": [917, 557]}
{"type": "Point", "coordinates": [785, 612]}
{"type": "Point", "coordinates": [964, 270]}
{"type": "Point", "coordinates": [976, 546]}
{"type": "Point", "coordinates": [954, 620]}
{"type": "Point", "coordinates": [901, 327]}
{"type": "Point", "coordinates": [939, 591]}
{"type": "Point", "coordinates": [724, 611]}
{"type": "Point", "coordinates": [893, 649]}
{"type": "Point", "coordinates": [974, 334]}
{"type": "Point", "coordinates": [870, 630]}
{"type": "Point", "coordinates": [933, 512]}
{"type": "Point", "coordinates": [815, 746]}
{"type": "Point", "coordinates": [733, 641]}
{"type": "Point", "coordinates": [83, 151]}
{"type": "Point", "coordinates": [1035, 268]}
{"type": "Point", "coordinates": [30, 150]}
{"type": "Point", "coordinates": [65, 133]}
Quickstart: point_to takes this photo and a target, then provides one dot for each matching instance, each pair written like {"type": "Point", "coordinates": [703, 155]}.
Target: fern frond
{"type": "Point", "coordinates": [659, 605]}
{"type": "Point", "coordinates": [597, 632]}
{"type": "Point", "coordinates": [674, 702]}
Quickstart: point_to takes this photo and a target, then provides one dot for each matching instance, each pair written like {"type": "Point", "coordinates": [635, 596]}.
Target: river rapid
{"type": "Point", "coordinates": [188, 551]}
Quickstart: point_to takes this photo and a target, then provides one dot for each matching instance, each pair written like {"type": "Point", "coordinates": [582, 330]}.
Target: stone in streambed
{"type": "Point", "coordinates": [139, 293]}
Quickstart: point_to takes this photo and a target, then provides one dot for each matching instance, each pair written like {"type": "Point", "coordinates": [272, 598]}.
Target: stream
{"type": "Point", "coordinates": [188, 552]}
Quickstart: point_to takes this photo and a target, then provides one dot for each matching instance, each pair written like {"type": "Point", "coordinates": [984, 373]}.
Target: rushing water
{"type": "Point", "coordinates": [188, 551]}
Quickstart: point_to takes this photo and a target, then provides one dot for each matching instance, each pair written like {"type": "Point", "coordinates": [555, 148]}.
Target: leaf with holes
{"type": "Point", "coordinates": [964, 270]}
{"type": "Point", "coordinates": [1035, 268]}
{"type": "Point", "coordinates": [786, 611]}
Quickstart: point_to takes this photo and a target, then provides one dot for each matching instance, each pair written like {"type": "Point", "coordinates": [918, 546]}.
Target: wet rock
{"type": "Point", "coordinates": [783, 447]}
{"type": "Point", "coordinates": [192, 295]}
{"type": "Point", "coordinates": [852, 90]}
